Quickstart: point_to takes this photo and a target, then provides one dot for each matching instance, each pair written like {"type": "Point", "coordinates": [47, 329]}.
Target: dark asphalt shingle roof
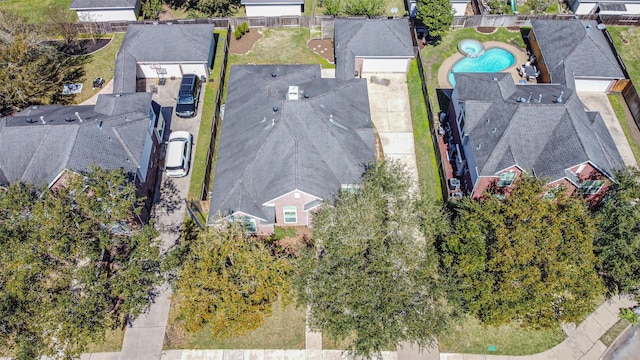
{"type": "Point", "coordinates": [572, 48]}
{"type": "Point", "coordinates": [36, 152]}
{"type": "Point", "coordinates": [175, 43]}
{"type": "Point", "coordinates": [313, 144]}
{"type": "Point", "coordinates": [544, 138]}
{"type": "Point", "coordinates": [369, 37]}
{"type": "Point", "coordinates": [103, 4]}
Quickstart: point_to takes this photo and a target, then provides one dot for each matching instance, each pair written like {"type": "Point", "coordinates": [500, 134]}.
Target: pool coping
{"type": "Point", "coordinates": [519, 54]}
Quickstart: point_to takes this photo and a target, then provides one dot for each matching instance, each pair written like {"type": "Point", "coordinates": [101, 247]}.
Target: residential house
{"type": "Point", "coordinates": [575, 54]}
{"type": "Point", "coordinates": [163, 51]}
{"type": "Point", "coordinates": [498, 130]}
{"type": "Point", "coordinates": [257, 8]}
{"type": "Point", "coordinates": [106, 10]}
{"type": "Point", "coordinates": [290, 140]}
{"type": "Point", "coordinates": [371, 46]}
{"type": "Point", "coordinates": [119, 131]}
{"type": "Point", "coordinates": [609, 7]}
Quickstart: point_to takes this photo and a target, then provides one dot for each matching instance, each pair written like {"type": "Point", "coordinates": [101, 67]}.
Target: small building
{"type": "Point", "coordinates": [609, 7]}
{"type": "Point", "coordinates": [372, 46]}
{"type": "Point", "coordinates": [290, 140]}
{"type": "Point", "coordinates": [257, 8]}
{"type": "Point", "coordinates": [575, 54]}
{"type": "Point", "coordinates": [119, 131]}
{"type": "Point", "coordinates": [498, 130]}
{"type": "Point", "coordinates": [106, 10]}
{"type": "Point", "coordinates": [163, 51]}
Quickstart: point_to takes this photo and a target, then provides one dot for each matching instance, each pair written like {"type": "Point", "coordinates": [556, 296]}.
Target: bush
{"type": "Point", "coordinates": [237, 33]}
{"type": "Point", "coordinates": [245, 27]}
{"type": "Point", "coordinates": [629, 315]}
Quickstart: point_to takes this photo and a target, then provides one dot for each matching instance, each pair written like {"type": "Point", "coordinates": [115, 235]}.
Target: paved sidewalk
{"type": "Point", "coordinates": [106, 89]}
{"type": "Point", "coordinates": [263, 355]}
{"type": "Point", "coordinates": [582, 343]}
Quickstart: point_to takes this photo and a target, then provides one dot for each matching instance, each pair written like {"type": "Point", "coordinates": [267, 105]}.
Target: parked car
{"type": "Point", "coordinates": [188, 96]}
{"type": "Point", "coordinates": [178, 154]}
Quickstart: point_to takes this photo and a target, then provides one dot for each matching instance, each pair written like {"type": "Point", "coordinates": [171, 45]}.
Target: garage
{"type": "Point", "coordinates": [258, 8]}
{"type": "Point", "coordinates": [593, 85]}
{"type": "Point", "coordinates": [98, 11]}
{"type": "Point", "coordinates": [158, 70]}
{"type": "Point", "coordinates": [392, 65]}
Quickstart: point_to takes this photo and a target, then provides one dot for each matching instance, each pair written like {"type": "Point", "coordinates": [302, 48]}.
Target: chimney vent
{"type": "Point", "coordinates": [559, 99]}
{"type": "Point", "coordinates": [42, 119]}
{"type": "Point", "coordinates": [275, 109]}
{"type": "Point", "coordinates": [273, 74]}
{"type": "Point", "coordinates": [540, 98]}
{"type": "Point", "coordinates": [78, 116]}
{"type": "Point", "coordinates": [293, 93]}
{"type": "Point", "coordinates": [29, 120]}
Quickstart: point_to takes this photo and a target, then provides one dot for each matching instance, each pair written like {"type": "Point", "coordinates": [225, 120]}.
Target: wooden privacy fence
{"type": "Point", "coordinates": [217, 119]}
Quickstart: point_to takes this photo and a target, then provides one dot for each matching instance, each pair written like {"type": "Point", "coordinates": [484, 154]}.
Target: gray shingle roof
{"type": "Point", "coordinates": [175, 43]}
{"type": "Point", "coordinates": [103, 4]}
{"type": "Point", "coordinates": [313, 144]}
{"type": "Point", "coordinates": [369, 37]}
{"type": "Point", "coordinates": [36, 152]}
{"type": "Point", "coordinates": [575, 48]}
{"type": "Point", "coordinates": [544, 138]}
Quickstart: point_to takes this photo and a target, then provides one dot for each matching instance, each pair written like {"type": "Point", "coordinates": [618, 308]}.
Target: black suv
{"type": "Point", "coordinates": [188, 95]}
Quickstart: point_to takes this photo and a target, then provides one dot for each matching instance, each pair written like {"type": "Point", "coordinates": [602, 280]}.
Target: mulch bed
{"type": "Point", "coordinates": [80, 47]}
{"type": "Point", "coordinates": [513, 28]}
{"type": "Point", "coordinates": [246, 42]}
{"type": "Point", "coordinates": [323, 48]}
{"type": "Point", "coordinates": [486, 29]}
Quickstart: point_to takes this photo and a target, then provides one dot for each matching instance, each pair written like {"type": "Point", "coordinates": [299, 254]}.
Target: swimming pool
{"type": "Point", "coordinates": [493, 60]}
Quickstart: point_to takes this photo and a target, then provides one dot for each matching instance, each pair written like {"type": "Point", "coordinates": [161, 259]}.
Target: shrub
{"type": "Point", "coordinates": [237, 33]}
{"type": "Point", "coordinates": [629, 315]}
{"type": "Point", "coordinates": [245, 27]}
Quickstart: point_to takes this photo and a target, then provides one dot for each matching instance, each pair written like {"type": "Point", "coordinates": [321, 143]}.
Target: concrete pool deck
{"type": "Point", "coordinates": [519, 54]}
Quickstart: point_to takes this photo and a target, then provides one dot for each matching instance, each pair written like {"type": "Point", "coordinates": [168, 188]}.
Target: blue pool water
{"type": "Point", "coordinates": [493, 60]}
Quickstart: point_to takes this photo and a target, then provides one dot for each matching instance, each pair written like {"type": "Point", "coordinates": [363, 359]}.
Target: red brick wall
{"type": "Point", "coordinates": [303, 217]}
{"type": "Point", "coordinates": [486, 184]}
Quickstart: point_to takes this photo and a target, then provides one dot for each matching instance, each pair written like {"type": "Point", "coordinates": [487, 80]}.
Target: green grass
{"type": "Point", "coordinates": [618, 104]}
{"type": "Point", "coordinates": [612, 334]}
{"type": "Point", "coordinates": [284, 329]}
{"type": "Point", "coordinates": [33, 10]}
{"type": "Point", "coordinates": [425, 149]}
{"type": "Point", "coordinates": [630, 52]}
{"type": "Point", "coordinates": [471, 337]}
{"type": "Point", "coordinates": [434, 56]}
{"type": "Point", "coordinates": [281, 46]}
{"type": "Point", "coordinates": [99, 64]}
{"type": "Point", "coordinates": [112, 343]}
{"type": "Point", "coordinates": [208, 110]}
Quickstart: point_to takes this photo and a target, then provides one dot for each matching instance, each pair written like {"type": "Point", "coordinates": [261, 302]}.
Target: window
{"type": "Point", "coordinates": [591, 186]}
{"type": "Point", "coordinates": [290, 215]}
{"type": "Point", "coordinates": [506, 179]}
{"type": "Point", "coordinates": [248, 222]}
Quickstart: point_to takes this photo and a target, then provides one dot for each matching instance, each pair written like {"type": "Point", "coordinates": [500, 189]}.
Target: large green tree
{"type": "Point", "coordinates": [617, 243]}
{"type": "Point", "coordinates": [437, 16]}
{"type": "Point", "coordinates": [364, 7]}
{"type": "Point", "coordinates": [528, 258]}
{"type": "Point", "coordinates": [229, 280]}
{"type": "Point", "coordinates": [73, 264]}
{"type": "Point", "coordinates": [372, 278]}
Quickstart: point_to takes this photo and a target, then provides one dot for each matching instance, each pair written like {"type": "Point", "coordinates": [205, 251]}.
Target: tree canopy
{"type": "Point", "coordinates": [528, 258]}
{"type": "Point", "coordinates": [372, 279]}
{"type": "Point", "coordinates": [72, 264]}
{"type": "Point", "coordinates": [617, 243]}
{"type": "Point", "coordinates": [228, 280]}
{"type": "Point", "coordinates": [437, 16]}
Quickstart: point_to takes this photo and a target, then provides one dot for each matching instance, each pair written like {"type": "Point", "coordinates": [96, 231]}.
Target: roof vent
{"type": "Point", "coordinates": [273, 74]}
{"type": "Point", "coordinates": [35, 107]}
{"type": "Point", "coordinates": [293, 93]}
{"type": "Point", "coordinates": [488, 121]}
{"type": "Point", "coordinates": [529, 99]}
{"type": "Point", "coordinates": [78, 116]}
{"type": "Point", "coordinates": [30, 120]}
{"type": "Point", "coordinates": [601, 26]}
{"type": "Point", "coordinates": [479, 146]}
{"type": "Point", "coordinates": [67, 119]}
{"type": "Point", "coordinates": [522, 100]}
{"type": "Point", "coordinates": [126, 118]}
{"type": "Point", "coordinates": [540, 98]}
{"type": "Point", "coordinates": [275, 108]}
{"type": "Point", "coordinates": [494, 130]}
{"type": "Point", "coordinates": [588, 26]}
{"type": "Point", "coordinates": [331, 118]}
{"type": "Point", "coordinates": [559, 99]}
{"type": "Point", "coordinates": [306, 96]}
{"type": "Point", "coordinates": [42, 119]}
{"type": "Point", "coordinates": [495, 79]}
{"type": "Point", "coordinates": [117, 95]}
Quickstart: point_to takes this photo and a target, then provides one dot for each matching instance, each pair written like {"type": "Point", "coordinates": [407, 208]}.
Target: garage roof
{"type": "Point", "coordinates": [170, 43]}
{"type": "Point", "coordinates": [103, 4]}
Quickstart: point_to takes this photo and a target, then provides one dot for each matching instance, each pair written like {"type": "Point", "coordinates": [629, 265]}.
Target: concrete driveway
{"type": "Point", "coordinates": [391, 115]}
{"type": "Point", "coordinates": [600, 102]}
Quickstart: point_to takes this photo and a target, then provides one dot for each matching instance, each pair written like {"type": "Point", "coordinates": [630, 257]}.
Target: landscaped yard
{"type": "Point", "coordinates": [33, 10]}
{"type": "Point", "coordinates": [626, 123]}
{"type": "Point", "coordinates": [284, 329]}
{"type": "Point", "coordinates": [99, 64]}
{"type": "Point", "coordinates": [434, 56]}
{"type": "Point", "coordinates": [472, 338]}
{"type": "Point", "coordinates": [629, 51]}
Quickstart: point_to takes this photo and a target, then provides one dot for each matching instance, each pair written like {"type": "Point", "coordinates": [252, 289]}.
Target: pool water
{"type": "Point", "coordinates": [493, 60]}
{"type": "Point", "coordinates": [470, 48]}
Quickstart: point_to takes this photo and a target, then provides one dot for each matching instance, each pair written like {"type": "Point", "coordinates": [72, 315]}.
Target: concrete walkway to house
{"type": "Point", "coordinates": [391, 116]}
{"type": "Point", "coordinates": [583, 342]}
{"type": "Point", "coordinates": [599, 102]}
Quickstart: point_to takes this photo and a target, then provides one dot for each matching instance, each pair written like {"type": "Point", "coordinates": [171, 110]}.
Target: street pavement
{"type": "Point", "coordinates": [627, 347]}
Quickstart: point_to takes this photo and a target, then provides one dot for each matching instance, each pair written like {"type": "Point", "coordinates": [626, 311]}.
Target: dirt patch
{"type": "Point", "coordinates": [246, 42]}
{"type": "Point", "coordinates": [323, 48]}
{"type": "Point", "coordinates": [166, 13]}
{"type": "Point", "coordinates": [80, 47]}
{"type": "Point", "coordinates": [513, 28]}
{"type": "Point", "coordinates": [486, 30]}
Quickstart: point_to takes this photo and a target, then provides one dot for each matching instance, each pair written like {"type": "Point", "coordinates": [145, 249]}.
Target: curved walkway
{"type": "Point", "coordinates": [582, 343]}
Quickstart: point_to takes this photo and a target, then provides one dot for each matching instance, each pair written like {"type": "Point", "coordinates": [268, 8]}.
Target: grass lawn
{"type": "Point", "coordinates": [99, 64]}
{"type": "Point", "coordinates": [433, 56]}
{"type": "Point", "coordinates": [281, 46]}
{"type": "Point", "coordinates": [208, 110]}
{"type": "Point", "coordinates": [112, 342]}
{"type": "Point", "coordinates": [629, 52]}
{"type": "Point", "coordinates": [33, 10]}
{"type": "Point", "coordinates": [425, 150]}
{"type": "Point", "coordinates": [610, 336]}
{"type": "Point", "coordinates": [284, 329]}
{"type": "Point", "coordinates": [618, 104]}
{"type": "Point", "coordinates": [472, 338]}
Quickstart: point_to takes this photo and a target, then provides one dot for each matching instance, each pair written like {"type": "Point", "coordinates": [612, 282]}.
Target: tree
{"type": "Point", "coordinates": [228, 280]}
{"type": "Point", "coordinates": [151, 9]}
{"type": "Point", "coordinates": [333, 7]}
{"type": "Point", "coordinates": [32, 72]}
{"type": "Point", "coordinates": [528, 258]}
{"type": "Point", "coordinates": [364, 7]}
{"type": "Point", "coordinates": [372, 279]}
{"type": "Point", "coordinates": [499, 7]}
{"type": "Point", "coordinates": [73, 264]}
{"type": "Point", "coordinates": [437, 16]}
{"type": "Point", "coordinates": [62, 22]}
{"type": "Point", "coordinates": [617, 243]}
